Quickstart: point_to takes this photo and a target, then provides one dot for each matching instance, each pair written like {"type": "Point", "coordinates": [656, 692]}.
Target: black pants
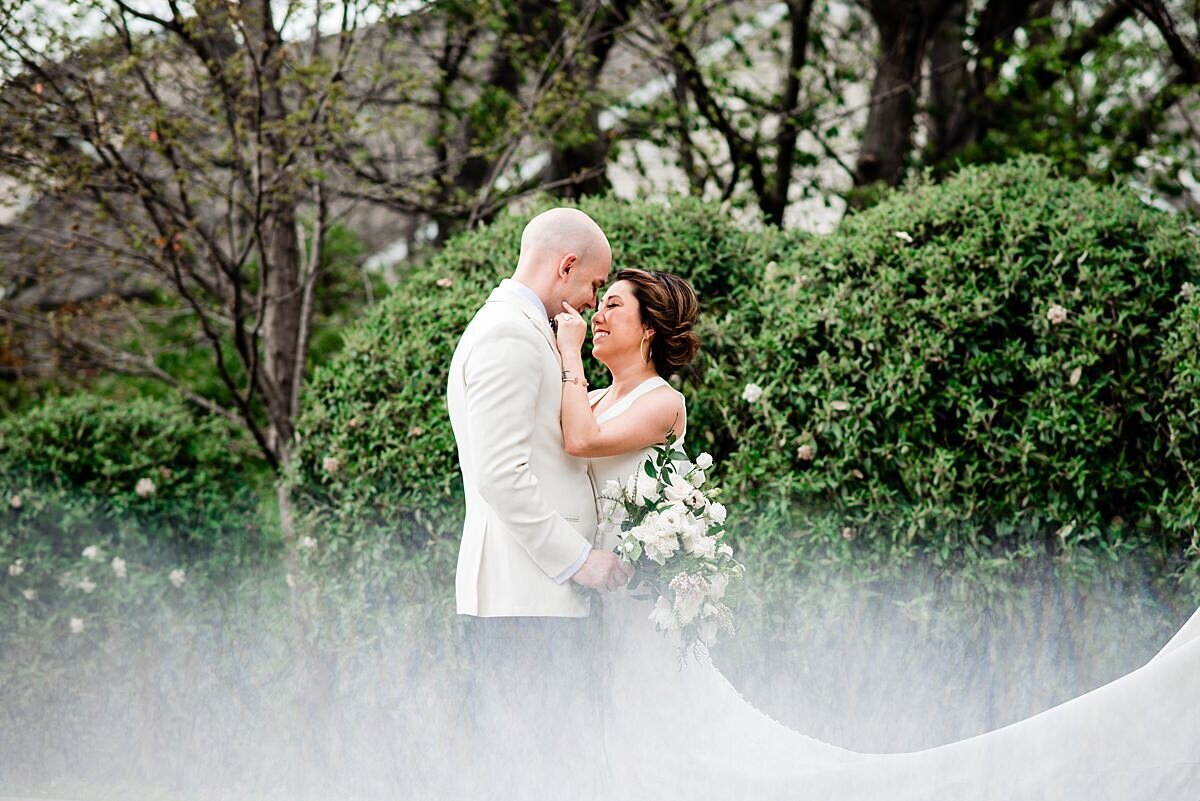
{"type": "Point", "coordinates": [535, 727]}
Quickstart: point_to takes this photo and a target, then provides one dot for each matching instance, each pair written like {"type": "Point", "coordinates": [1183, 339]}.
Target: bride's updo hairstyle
{"type": "Point", "coordinates": [668, 305]}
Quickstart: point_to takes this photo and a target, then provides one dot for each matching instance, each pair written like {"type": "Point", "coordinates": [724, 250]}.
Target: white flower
{"type": "Point", "coordinates": [1187, 290]}
{"type": "Point", "coordinates": [805, 453]}
{"type": "Point", "coordinates": [612, 489]}
{"type": "Point", "coordinates": [697, 478]}
{"type": "Point", "coordinates": [118, 567]}
{"type": "Point", "coordinates": [724, 550]}
{"type": "Point", "coordinates": [76, 625]}
{"type": "Point", "coordinates": [662, 615]}
{"type": "Point", "coordinates": [689, 596]}
{"type": "Point", "coordinates": [677, 489]}
{"type": "Point", "coordinates": [717, 512]}
{"type": "Point", "coordinates": [1057, 314]}
{"type": "Point", "coordinates": [704, 461]}
{"type": "Point", "coordinates": [331, 464]}
{"type": "Point", "coordinates": [17, 567]}
{"type": "Point", "coordinates": [695, 542]}
{"type": "Point", "coordinates": [444, 283]}
{"type": "Point", "coordinates": [695, 499]}
{"type": "Point", "coordinates": [752, 393]}
{"type": "Point", "coordinates": [308, 543]}
{"type": "Point", "coordinates": [717, 584]}
{"type": "Point", "coordinates": [30, 594]}
{"type": "Point", "coordinates": [671, 520]}
{"type": "Point", "coordinates": [144, 488]}
{"type": "Point", "coordinates": [840, 406]}
{"type": "Point", "coordinates": [92, 552]}
{"type": "Point", "coordinates": [15, 501]}
{"type": "Point", "coordinates": [1076, 374]}
{"type": "Point", "coordinates": [903, 236]}
{"type": "Point", "coordinates": [87, 585]}
{"type": "Point", "coordinates": [177, 577]}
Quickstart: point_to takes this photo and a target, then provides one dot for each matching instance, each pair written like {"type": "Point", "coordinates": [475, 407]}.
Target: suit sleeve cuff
{"type": "Point", "coordinates": [566, 575]}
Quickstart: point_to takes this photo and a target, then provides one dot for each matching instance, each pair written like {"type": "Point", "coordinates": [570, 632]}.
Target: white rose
{"type": "Point", "coordinates": [752, 393]}
{"type": "Point", "coordinates": [717, 512]}
{"type": "Point", "coordinates": [661, 546]}
{"type": "Point", "coordinates": [118, 567]}
{"type": "Point", "coordinates": [697, 478]}
{"type": "Point", "coordinates": [177, 577]}
{"type": "Point", "coordinates": [1056, 315]}
{"type": "Point", "coordinates": [704, 461]}
{"type": "Point", "coordinates": [91, 552]}
{"type": "Point", "coordinates": [677, 490]}
{"type": "Point", "coordinates": [662, 615]}
{"type": "Point", "coordinates": [643, 488]}
{"type": "Point", "coordinates": [144, 488]}
{"type": "Point", "coordinates": [671, 520]}
{"type": "Point", "coordinates": [696, 499]}
{"type": "Point", "coordinates": [76, 625]}
{"type": "Point", "coordinates": [87, 585]}
{"type": "Point", "coordinates": [724, 550]}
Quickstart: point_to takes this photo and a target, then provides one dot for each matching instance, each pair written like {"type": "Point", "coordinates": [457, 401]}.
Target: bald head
{"type": "Point", "coordinates": [564, 256]}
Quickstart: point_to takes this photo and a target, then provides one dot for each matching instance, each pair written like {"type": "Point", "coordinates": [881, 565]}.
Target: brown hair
{"type": "Point", "coordinates": [668, 305]}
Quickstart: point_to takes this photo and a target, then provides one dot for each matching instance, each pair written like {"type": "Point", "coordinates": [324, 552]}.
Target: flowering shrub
{"type": "Point", "coordinates": [1022, 362]}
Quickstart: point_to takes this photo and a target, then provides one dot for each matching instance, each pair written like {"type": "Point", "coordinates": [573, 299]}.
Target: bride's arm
{"type": "Point", "coordinates": [646, 424]}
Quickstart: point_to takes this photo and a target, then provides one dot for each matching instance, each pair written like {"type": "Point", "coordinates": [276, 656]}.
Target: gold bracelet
{"type": "Point", "coordinates": [574, 379]}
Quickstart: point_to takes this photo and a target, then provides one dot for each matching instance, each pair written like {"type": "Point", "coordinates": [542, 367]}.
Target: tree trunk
{"type": "Point", "coordinates": [951, 124]}
{"type": "Point", "coordinates": [887, 138]}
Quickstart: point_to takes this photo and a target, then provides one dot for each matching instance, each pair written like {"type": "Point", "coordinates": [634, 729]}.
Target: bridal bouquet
{"type": "Point", "coordinates": [670, 530]}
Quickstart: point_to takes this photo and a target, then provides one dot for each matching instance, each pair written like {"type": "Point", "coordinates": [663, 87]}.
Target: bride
{"type": "Point", "coordinates": [677, 731]}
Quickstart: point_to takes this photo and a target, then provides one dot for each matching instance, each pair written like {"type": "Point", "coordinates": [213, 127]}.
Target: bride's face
{"type": "Point", "coordinates": [617, 328]}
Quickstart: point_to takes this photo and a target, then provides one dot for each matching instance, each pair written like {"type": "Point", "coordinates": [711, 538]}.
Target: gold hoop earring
{"type": "Point", "coordinates": [649, 353]}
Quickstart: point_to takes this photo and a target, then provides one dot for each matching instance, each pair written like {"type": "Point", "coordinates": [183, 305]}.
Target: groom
{"type": "Point", "coordinates": [531, 516]}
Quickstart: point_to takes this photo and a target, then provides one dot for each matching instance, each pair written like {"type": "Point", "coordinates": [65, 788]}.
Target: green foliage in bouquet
{"type": "Point", "coordinates": [1005, 357]}
{"type": "Point", "coordinates": [82, 470]}
{"type": "Point", "coordinates": [376, 450]}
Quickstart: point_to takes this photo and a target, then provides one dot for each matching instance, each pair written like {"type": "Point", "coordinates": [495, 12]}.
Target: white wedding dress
{"type": "Point", "coordinates": [682, 731]}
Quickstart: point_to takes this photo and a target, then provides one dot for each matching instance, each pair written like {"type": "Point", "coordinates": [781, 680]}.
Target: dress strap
{"type": "Point", "coordinates": [652, 383]}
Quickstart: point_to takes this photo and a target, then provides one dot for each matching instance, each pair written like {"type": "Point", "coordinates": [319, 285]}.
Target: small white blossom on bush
{"type": "Point", "coordinates": [118, 567]}
{"type": "Point", "coordinates": [903, 236]}
{"type": "Point", "coordinates": [847, 533]}
{"type": "Point", "coordinates": [15, 501]}
{"type": "Point", "coordinates": [76, 625]}
{"type": "Point", "coordinates": [352, 422]}
{"type": "Point", "coordinates": [331, 464]}
{"type": "Point", "coordinates": [805, 453]}
{"type": "Point", "coordinates": [308, 543]}
{"type": "Point", "coordinates": [445, 283]}
{"type": "Point", "coordinates": [752, 393]}
{"type": "Point", "coordinates": [416, 431]}
{"type": "Point", "coordinates": [91, 553]}
{"type": "Point", "coordinates": [30, 594]}
{"type": "Point", "coordinates": [1187, 290]}
{"type": "Point", "coordinates": [840, 406]}
{"type": "Point", "coordinates": [145, 488]}
{"type": "Point", "coordinates": [177, 577]}
{"type": "Point", "coordinates": [87, 585]}
{"type": "Point", "coordinates": [704, 461]}
{"type": "Point", "coordinates": [1056, 315]}
{"type": "Point", "coordinates": [17, 567]}
{"type": "Point", "coordinates": [1076, 374]}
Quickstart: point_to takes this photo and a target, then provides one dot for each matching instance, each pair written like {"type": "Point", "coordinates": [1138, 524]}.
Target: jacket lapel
{"type": "Point", "coordinates": [503, 295]}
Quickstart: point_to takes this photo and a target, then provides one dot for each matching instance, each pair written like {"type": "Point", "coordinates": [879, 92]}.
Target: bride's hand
{"type": "Point", "coordinates": [570, 329]}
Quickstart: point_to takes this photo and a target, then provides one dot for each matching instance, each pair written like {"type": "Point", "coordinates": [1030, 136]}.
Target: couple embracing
{"type": "Point", "coordinates": [575, 695]}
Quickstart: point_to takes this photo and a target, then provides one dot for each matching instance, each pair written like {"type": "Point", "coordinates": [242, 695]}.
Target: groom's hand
{"type": "Point", "coordinates": [603, 570]}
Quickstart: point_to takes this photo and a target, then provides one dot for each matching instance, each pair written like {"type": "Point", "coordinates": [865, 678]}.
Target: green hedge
{"type": "Point", "coordinates": [378, 409]}
{"type": "Point", "coordinates": [75, 464]}
{"type": "Point", "coordinates": [911, 352]}
{"type": "Point", "coordinates": [921, 387]}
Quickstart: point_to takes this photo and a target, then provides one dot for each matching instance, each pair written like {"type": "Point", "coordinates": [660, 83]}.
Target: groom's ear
{"type": "Point", "coordinates": [567, 263]}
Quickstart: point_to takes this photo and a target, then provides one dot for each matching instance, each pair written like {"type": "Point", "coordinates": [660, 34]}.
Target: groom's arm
{"type": "Point", "coordinates": [502, 376]}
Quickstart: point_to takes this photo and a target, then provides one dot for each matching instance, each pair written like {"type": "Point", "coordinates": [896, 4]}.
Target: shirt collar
{"type": "Point", "coordinates": [528, 294]}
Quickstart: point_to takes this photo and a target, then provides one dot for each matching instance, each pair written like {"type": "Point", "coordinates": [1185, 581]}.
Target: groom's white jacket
{"type": "Point", "coordinates": [531, 510]}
